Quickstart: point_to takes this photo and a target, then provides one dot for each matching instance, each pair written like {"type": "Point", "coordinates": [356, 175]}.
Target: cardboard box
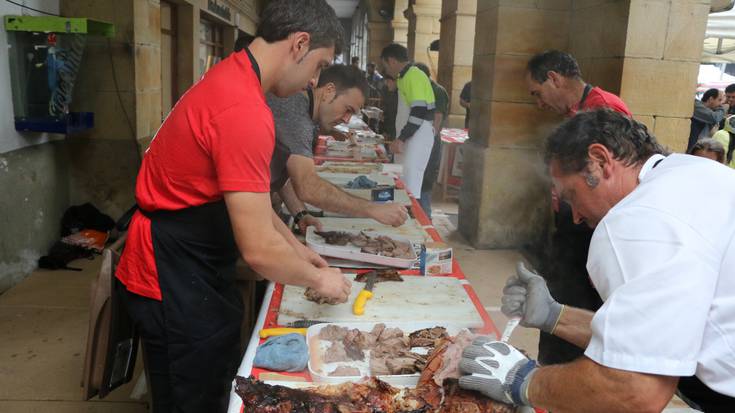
{"type": "Point", "coordinates": [436, 259]}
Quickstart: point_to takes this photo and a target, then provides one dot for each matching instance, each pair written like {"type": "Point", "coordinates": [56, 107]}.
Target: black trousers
{"type": "Point", "coordinates": [566, 276]}
{"type": "Point", "coordinates": [191, 338]}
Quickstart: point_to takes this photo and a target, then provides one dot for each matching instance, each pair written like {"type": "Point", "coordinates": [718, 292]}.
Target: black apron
{"type": "Point", "coordinates": [199, 328]}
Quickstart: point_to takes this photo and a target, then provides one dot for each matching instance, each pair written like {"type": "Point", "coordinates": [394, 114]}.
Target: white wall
{"type": "Point", "coordinates": [10, 139]}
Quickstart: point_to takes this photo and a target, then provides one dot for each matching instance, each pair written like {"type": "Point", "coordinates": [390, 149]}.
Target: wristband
{"type": "Point", "coordinates": [299, 216]}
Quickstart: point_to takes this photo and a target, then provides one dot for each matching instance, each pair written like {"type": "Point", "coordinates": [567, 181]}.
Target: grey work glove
{"type": "Point", "coordinates": [497, 370]}
{"type": "Point", "coordinates": [526, 295]}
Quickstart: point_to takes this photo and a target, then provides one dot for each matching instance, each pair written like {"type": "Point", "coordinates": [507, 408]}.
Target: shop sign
{"type": "Point", "coordinates": [220, 10]}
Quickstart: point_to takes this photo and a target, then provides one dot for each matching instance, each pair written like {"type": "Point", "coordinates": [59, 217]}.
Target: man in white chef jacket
{"type": "Point", "coordinates": [663, 259]}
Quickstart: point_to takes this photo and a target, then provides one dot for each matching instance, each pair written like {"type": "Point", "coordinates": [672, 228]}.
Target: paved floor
{"type": "Point", "coordinates": [43, 322]}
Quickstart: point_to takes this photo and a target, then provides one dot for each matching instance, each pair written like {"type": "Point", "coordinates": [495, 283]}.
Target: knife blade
{"type": "Point", "coordinates": [304, 323]}
{"type": "Point", "coordinates": [358, 308]}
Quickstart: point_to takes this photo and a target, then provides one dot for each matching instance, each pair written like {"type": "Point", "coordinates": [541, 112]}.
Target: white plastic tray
{"type": "Point", "coordinates": [320, 371]}
{"type": "Point", "coordinates": [351, 252]}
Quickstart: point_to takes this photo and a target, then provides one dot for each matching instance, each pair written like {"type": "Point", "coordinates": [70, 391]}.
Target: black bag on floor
{"type": "Point", "coordinates": [85, 216]}
{"type": "Point", "coordinates": [62, 254]}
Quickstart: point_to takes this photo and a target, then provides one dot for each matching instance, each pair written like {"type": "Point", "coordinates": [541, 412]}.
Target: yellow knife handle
{"type": "Point", "coordinates": [279, 331]}
{"type": "Point", "coordinates": [358, 308]}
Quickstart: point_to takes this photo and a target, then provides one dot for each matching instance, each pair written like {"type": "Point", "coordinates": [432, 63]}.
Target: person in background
{"type": "Point", "coordinates": [203, 197]}
{"type": "Point", "coordinates": [389, 101]}
{"type": "Point", "coordinates": [299, 119]}
{"type": "Point", "coordinates": [667, 276]}
{"type": "Point", "coordinates": [375, 83]}
{"type": "Point", "coordinates": [708, 113]}
{"type": "Point", "coordinates": [710, 149]}
{"type": "Point", "coordinates": [355, 62]}
{"type": "Point", "coordinates": [555, 80]}
{"type": "Point", "coordinates": [730, 98]}
{"type": "Point", "coordinates": [465, 97]}
{"type": "Point", "coordinates": [440, 117]}
{"type": "Point", "coordinates": [415, 116]}
{"type": "Point", "coordinates": [726, 137]}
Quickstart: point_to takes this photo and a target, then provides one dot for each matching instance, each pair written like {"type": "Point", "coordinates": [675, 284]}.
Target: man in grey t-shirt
{"type": "Point", "coordinates": [298, 119]}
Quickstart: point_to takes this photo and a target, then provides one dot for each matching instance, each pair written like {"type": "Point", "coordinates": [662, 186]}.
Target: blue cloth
{"type": "Point", "coordinates": [362, 182]}
{"type": "Point", "coordinates": [283, 353]}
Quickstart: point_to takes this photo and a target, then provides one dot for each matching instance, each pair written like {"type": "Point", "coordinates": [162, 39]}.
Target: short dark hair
{"type": "Point", "coordinates": [628, 140]}
{"type": "Point", "coordinates": [280, 18]}
{"type": "Point", "coordinates": [709, 145]}
{"type": "Point", "coordinates": [396, 51]}
{"type": "Point", "coordinates": [553, 61]}
{"type": "Point", "coordinates": [730, 88]}
{"type": "Point", "coordinates": [355, 59]}
{"type": "Point", "coordinates": [371, 64]}
{"type": "Point", "coordinates": [344, 77]}
{"type": "Point", "coordinates": [710, 93]}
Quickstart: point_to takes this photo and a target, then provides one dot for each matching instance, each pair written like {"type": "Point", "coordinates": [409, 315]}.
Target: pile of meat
{"type": "Point", "coordinates": [389, 348]}
{"type": "Point", "coordinates": [373, 395]}
{"type": "Point", "coordinates": [380, 276]}
{"type": "Point", "coordinates": [380, 245]}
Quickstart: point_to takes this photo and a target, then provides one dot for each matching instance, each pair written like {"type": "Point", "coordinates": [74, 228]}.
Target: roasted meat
{"type": "Point", "coordinates": [380, 276]}
{"type": "Point", "coordinates": [380, 245]}
{"type": "Point", "coordinates": [314, 296]}
{"type": "Point", "coordinates": [345, 371]}
{"type": "Point", "coordinates": [335, 237]}
{"type": "Point", "coordinates": [427, 337]}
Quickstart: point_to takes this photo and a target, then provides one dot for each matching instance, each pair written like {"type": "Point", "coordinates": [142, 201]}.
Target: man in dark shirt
{"type": "Point", "coordinates": [390, 105]}
{"type": "Point", "coordinates": [339, 94]}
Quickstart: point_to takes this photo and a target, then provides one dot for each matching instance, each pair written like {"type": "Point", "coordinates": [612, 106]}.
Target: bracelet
{"type": "Point", "coordinates": [299, 216]}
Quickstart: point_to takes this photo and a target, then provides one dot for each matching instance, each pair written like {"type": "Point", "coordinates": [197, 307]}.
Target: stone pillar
{"type": "Point", "coordinates": [504, 199]}
{"type": "Point", "coordinates": [423, 28]}
{"type": "Point", "coordinates": [457, 45]}
{"type": "Point", "coordinates": [399, 24]}
{"type": "Point", "coordinates": [649, 54]}
{"type": "Point", "coordinates": [379, 36]}
{"type": "Point", "coordinates": [648, 51]}
{"type": "Point", "coordinates": [147, 60]}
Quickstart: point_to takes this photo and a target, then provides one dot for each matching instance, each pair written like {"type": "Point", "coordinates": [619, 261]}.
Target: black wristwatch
{"type": "Point", "coordinates": [299, 216]}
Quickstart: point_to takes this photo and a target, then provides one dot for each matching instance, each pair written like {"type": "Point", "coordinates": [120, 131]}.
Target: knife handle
{"type": "Point", "coordinates": [358, 308]}
{"type": "Point", "coordinates": [279, 331]}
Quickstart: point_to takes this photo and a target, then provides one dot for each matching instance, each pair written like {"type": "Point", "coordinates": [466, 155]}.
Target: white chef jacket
{"type": "Point", "coordinates": [663, 261]}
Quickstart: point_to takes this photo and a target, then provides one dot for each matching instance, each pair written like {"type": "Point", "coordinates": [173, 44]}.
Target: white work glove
{"type": "Point", "coordinates": [526, 295]}
{"type": "Point", "coordinates": [497, 370]}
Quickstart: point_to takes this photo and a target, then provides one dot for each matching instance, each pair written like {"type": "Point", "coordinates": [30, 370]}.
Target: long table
{"type": "Point", "coordinates": [268, 315]}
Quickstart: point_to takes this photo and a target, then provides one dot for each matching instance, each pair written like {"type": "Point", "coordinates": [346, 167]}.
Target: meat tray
{"type": "Point", "coordinates": [351, 252]}
{"type": "Point", "coordinates": [320, 371]}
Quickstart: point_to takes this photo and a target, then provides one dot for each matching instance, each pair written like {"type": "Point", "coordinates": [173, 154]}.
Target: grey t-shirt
{"type": "Point", "coordinates": [296, 133]}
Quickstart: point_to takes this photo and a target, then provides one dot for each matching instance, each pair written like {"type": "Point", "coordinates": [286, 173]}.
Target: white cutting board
{"type": "Point", "coordinates": [442, 300]}
{"type": "Point", "coordinates": [410, 229]}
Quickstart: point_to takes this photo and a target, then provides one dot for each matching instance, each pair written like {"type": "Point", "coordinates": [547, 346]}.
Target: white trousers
{"type": "Point", "coordinates": [415, 156]}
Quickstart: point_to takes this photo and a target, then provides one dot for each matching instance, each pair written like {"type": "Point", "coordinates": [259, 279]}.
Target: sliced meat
{"type": "Point", "coordinates": [335, 237]}
{"type": "Point", "coordinates": [381, 276]}
{"type": "Point", "coordinates": [336, 353]}
{"type": "Point", "coordinates": [427, 336]}
{"type": "Point", "coordinates": [402, 365]}
{"type": "Point", "coordinates": [313, 296]}
{"type": "Point", "coordinates": [343, 371]}
{"type": "Point", "coordinates": [332, 332]}
{"type": "Point", "coordinates": [378, 367]}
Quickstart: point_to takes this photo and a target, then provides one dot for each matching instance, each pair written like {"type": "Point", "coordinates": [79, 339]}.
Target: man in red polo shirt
{"type": "Point", "coordinates": [555, 81]}
{"type": "Point", "coordinates": [203, 201]}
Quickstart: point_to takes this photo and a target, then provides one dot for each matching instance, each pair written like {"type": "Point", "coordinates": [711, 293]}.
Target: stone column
{"type": "Point", "coordinates": [649, 54]}
{"type": "Point", "coordinates": [504, 199]}
{"type": "Point", "coordinates": [646, 50]}
{"type": "Point", "coordinates": [423, 28]}
{"type": "Point", "coordinates": [457, 45]}
{"type": "Point", "coordinates": [399, 24]}
{"type": "Point", "coordinates": [379, 36]}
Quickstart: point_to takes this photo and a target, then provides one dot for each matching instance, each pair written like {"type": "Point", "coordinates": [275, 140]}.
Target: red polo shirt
{"type": "Point", "coordinates": [598, 98]}
{"type": "Point", "coordinates": [219, 137]}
